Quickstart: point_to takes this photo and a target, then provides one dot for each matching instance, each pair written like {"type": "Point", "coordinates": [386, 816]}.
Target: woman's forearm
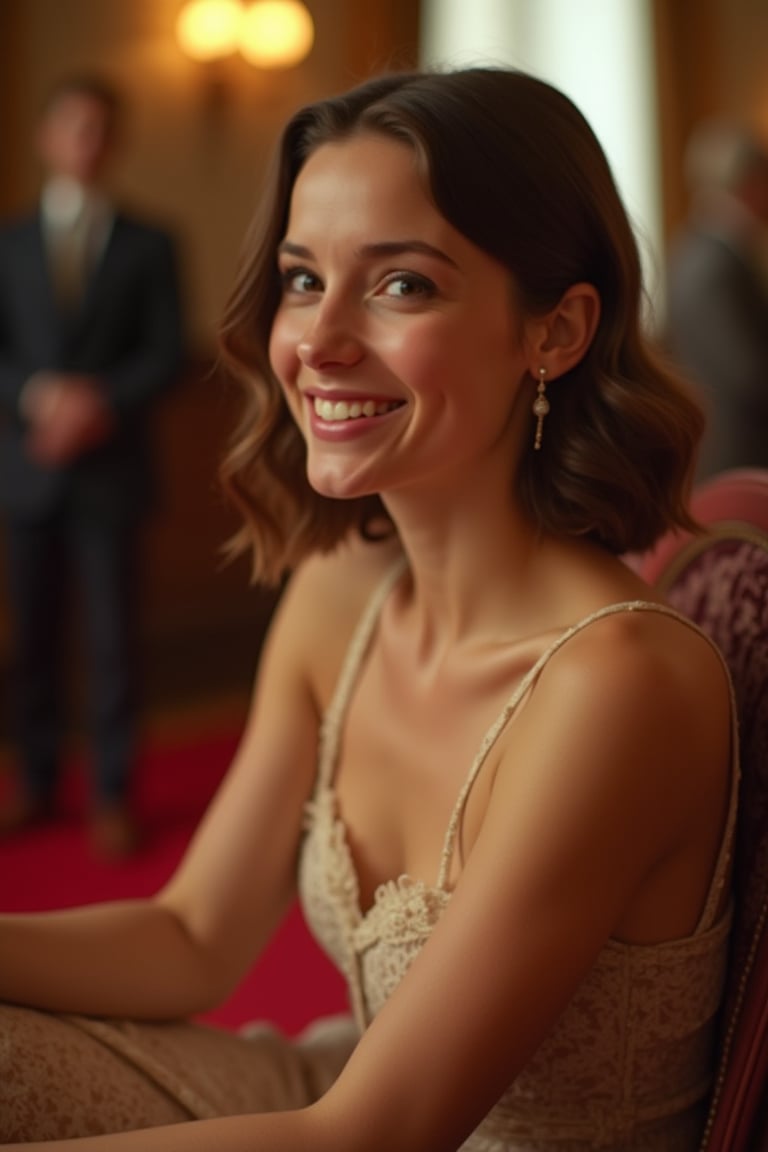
{"type": "Point", "coordinates": [127, 958]}
{"type": "Point", "coordinates": [297, 1131]}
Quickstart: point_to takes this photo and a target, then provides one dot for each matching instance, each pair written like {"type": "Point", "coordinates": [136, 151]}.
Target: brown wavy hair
{"type": "Point", "coordinates": [513, 165]}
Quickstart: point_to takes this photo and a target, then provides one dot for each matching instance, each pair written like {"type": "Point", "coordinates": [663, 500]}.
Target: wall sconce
{"type": "Point", "coordinates": [267, 33]}
{"type": "Point", "coordinates": [209, 29]}
{"type": "Point", "coordinates": [276, 33]}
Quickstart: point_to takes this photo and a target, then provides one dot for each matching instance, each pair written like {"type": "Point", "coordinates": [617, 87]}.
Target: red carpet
{"type": "Point", "coordinates": [53, 867]}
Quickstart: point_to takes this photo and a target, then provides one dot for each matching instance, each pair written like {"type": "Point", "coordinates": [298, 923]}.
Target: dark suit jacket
{"type": "Point", "coordinates": [127, 332]}
{"type": "Point", "coordinates": [718, 329]}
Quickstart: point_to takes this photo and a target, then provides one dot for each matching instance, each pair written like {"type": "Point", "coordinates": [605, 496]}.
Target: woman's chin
{"type": "Point", "coordinates": [336, 485]}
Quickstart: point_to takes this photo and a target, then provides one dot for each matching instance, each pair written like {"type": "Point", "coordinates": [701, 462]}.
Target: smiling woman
{"type": "Point", "coordinates": [543, 240]}
{"type": "Point", "coordinates": [500, 773]}
{"type": "Point", "coordinates": [422, 336]}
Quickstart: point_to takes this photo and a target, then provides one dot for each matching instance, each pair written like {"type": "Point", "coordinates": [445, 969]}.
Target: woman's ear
{"type": "Point", "coordinates": [561, 338]}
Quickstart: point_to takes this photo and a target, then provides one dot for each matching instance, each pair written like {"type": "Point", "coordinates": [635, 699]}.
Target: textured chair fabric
{"type": "Point", "coordinates": [720, 580]}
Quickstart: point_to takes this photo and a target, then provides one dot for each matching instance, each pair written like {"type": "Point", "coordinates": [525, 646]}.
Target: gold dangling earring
{"type": "Point", "coordinates": [540, 407]}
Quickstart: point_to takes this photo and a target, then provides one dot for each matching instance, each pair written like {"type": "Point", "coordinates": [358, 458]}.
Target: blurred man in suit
{"type": "Point", "coordinates": [718, 293]}
{"type": "Point", "coordinates": [90, 336]}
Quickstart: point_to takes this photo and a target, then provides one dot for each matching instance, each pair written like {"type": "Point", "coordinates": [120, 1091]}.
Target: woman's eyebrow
{"type": "Point", "coordinates": [372, 251]}
{"type": "Point", "coordinates": [403, 248]}
{"type": "Point", "coordinates": [287, 248]}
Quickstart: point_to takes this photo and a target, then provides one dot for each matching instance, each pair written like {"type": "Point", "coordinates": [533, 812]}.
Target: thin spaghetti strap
{"type": "Point", "coordinates": [487, 743]}
{"type": "Point", "coordinates": [334, 715]}
{"type": "Point", "coordinates": [527, 681]}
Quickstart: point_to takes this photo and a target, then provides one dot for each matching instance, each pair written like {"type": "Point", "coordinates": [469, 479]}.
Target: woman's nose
{"type": "Point", "coordinates": [328, 341]}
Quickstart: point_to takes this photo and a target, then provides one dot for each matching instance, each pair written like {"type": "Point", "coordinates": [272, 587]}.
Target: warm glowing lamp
{"type": "Point", "coordinates": [276, 33]}
{"type": "Point", "coordinates": [207, 29]}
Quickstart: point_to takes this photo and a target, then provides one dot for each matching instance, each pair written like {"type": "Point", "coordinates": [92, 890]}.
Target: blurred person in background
{"type": "Point", "coordinates": [90, 337]}
{"type": "Point", "coordinates": [718, 292]}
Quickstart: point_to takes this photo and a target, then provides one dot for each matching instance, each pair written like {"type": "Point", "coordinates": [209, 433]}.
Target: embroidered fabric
{"type": "Point", "coordinates": [630, 1062]}
{"type": "Point", "coordinates": [67, 1076]}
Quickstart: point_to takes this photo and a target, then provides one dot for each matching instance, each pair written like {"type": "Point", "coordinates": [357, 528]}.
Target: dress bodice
{"type": "Point", "coordinates": [629, 1063]}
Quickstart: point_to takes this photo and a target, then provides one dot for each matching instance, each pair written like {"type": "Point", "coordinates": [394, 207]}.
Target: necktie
{"type": "Point", "coordinates": [69, 253]}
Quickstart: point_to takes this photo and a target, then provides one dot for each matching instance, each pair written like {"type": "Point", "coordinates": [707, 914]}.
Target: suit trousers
{"type": "Point", "coordinates": [74, 566]}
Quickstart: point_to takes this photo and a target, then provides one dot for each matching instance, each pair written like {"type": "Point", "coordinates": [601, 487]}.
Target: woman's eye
{"type": "Point", "coordinates": [402, 285]}
{"type": "Point", "coordinates": [299, 280]}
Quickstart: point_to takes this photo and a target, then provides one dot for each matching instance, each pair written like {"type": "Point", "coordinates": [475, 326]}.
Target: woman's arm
{"type": "Point", "coordinates": [183, 951]}
{"type": "Point", "coordinates": [605, 819]}
{"type": "Point", "coordinates": [297, 1131]}
{"type": "Point", "coordinates": [611, 785]}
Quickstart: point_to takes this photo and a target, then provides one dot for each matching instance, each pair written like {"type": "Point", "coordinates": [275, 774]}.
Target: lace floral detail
{"type": "Point", "coordinates": [405, 909]}
{"type": "Point", "coordinates": [392, 933]}
{"type": "Point", "coordinates": [328, 882]}
{"type": "Point", "coordinates": [373, 950]}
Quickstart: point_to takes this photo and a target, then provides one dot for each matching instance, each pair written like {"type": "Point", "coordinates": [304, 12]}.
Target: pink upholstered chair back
{"type": "Point", "coordinates": [720, 580]}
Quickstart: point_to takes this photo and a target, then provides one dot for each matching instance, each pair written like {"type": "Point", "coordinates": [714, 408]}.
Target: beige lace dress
{"type": "Point", "coordinates": [627, 1067]}
{"type": "Point", "coordinates": [630, 1062]}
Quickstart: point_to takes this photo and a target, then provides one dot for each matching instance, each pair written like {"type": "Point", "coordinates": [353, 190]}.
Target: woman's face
{"type": "Point", "coordinates": [397, 342]}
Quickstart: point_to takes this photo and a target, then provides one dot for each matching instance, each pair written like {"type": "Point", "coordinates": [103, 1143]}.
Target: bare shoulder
{"type": "Point", "coordinates": [352, 568]}
{"type": "Point", "coordinates": [324, 601]}
{"type": "Point", "coordinates": [331, 589]}
{"type": "Point", "coordinates": [621, 760]}
{"type": "Point", "coordinates": [641, 692]}
{"type": "Point", "coordinates": [646, 654]}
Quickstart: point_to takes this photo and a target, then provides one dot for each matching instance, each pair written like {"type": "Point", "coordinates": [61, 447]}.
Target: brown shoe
{"type": "Point", "coordinates": [114, 833]}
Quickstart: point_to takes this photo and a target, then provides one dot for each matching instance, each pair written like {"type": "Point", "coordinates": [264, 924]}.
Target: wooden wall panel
{"type": "Point", "coordinates": [711, 57]}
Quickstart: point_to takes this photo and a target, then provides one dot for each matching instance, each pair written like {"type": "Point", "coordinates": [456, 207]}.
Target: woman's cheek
{"type": "Point", "coordinates": [282, 354]}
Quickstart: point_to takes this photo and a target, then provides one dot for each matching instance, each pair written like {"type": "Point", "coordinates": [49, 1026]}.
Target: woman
{"type": "Point", "coordinates": [516, 842]}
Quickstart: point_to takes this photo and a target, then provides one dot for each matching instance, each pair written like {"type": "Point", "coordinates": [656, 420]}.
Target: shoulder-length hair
{"type": "Point", "coordinates": [514, 166]}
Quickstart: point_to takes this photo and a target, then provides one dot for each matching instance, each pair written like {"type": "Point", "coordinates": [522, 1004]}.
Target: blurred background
{"type": "Point", "coordinates": [199, 134]}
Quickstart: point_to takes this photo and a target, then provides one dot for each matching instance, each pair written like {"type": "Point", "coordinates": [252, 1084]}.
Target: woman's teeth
{"type": "Point", "coordinates": [331, 410]}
